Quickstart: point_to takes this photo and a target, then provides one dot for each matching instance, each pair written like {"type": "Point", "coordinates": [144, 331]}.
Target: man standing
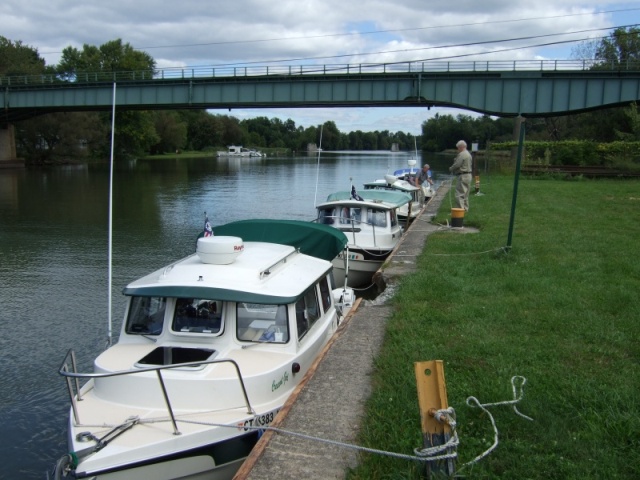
{"type": "Point", "coordinates": [462, 168]}
{"type": "Point", "coordinates": [423, 175]}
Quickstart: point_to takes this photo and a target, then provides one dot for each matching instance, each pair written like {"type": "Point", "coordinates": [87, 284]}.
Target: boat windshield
{"type": "Point", "coordinates": [196, 315]}
{"type": "Point", "coordinates": [350, 215]}
{"type": "Point", "coordinates": [262, 323]}
{"type": "Point", "coordinates": [146, 315]}
{"type": "Point", "coordinates": [326, 215]}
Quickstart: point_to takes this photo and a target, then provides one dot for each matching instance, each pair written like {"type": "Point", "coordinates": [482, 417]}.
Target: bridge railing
{"type": "Point", "coordinates": [225, 71]}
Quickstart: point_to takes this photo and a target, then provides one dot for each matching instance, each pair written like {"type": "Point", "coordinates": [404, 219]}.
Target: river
{"type": "Point", "coordinates": [54, 260]}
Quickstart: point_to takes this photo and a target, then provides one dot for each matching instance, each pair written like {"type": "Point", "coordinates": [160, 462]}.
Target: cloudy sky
{"type": "Point", "coordinates": [223, 33]}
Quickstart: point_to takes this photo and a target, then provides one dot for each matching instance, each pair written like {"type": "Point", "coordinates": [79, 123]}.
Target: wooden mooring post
{"type": "Point", "coordinates": [432, 397]}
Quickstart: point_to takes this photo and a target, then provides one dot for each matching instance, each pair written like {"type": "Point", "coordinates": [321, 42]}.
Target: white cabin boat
{"type": "Point", "coordinates": [239, 151]}
{"type": "Point", "coordinates": [390, 182]}
{"type": "Point", "coordinates": [373, 229]}
{"type": "Point", "coordinates": [210, 349]}
{"type": "Point", "coordinates": [406, 173]}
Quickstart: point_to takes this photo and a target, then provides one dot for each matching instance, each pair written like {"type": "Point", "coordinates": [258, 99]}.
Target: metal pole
{"type": "Point", "coordinates": [110, 252]}
{"type": "Point", "coordinates": [168, 403]}
{"type": "Point", "coordinates": [515, 181]}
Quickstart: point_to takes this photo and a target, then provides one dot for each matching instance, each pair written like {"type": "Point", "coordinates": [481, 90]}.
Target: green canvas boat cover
{"type": "Point", "coordinates": [392, 199]}
{"type": "Point", "coordinates": [317, 240]}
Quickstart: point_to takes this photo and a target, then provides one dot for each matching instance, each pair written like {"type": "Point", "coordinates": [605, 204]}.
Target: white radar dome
{"type": "Point", "coordinates": [219, 250]}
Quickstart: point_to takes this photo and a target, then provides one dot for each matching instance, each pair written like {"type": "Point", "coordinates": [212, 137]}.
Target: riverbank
{"type": "Point", "coordinates": [560, 308]}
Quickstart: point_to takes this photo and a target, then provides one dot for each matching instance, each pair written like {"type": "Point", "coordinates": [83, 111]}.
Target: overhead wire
{"type": "Point", "coordinates": [439, 47]}
{"type": "Point", "coordinates": [375, 32]}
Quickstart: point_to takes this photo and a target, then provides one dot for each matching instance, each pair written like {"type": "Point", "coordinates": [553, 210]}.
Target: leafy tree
{"type": "Point", "coordinates": [233, 134]}
{"type": "Point", "coordinates": [61, 137]}
{"type": "Point", "coordinates": [330, 136]}
{"type": "Point", "coordinates": [135, 131]}
{"type": "Point", "coordinates": [113, 56]}
{"type": "Point", "coordinates": [443, 132]}
{"type": "Point", "coordinates": [309, 135]}
{"type": "Point", "coordinates": [19, 59]}
{"type": "Point", "coordinates": [621, 48]}
{"type": "Point", "coordinates": [633, 132]}
{"type": "Point", "coordinates": [203, 129]}
{"type": "Point", "coordinates": [171, 130]}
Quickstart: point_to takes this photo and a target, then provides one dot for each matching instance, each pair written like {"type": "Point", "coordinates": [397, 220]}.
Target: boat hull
{"type": "Point", "coordinates": [360, 270]}
{"type": "Point", "coordinates": [219, 461]}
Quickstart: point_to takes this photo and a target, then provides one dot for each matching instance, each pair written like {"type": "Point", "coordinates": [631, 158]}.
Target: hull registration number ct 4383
{"type": "Point", "coordinates": [262, 420]}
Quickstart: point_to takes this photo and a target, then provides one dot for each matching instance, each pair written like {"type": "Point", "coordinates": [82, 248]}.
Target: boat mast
{"type": "Point", "coordinates": [315, 198]}
{"type": "Point", "coordinates": [113, 125]}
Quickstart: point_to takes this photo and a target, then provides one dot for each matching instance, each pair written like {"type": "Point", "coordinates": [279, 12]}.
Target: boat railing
{"type": "Point", "coordinates": [267, 271]}
{"type": "Point", "coordinates": [69, 370]}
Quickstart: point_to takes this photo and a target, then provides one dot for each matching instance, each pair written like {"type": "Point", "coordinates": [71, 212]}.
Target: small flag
{"type": "Point", "coordinates": [355, 195]}
{"type": "Point", "coordinates": [208, 230]}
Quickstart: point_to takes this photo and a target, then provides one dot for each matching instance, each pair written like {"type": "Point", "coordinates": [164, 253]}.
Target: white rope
{"type": "Point", "coordinates": [498, 249]}
{"type": "Point", "coordinates": [429, 454]}
{"type": "Point", "coordinates": [518, 394]}
{"type": "Point", "coordinates": [447, 416]}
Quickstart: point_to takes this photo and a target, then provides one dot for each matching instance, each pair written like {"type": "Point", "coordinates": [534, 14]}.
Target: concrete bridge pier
{"type": "Point", "coordinates": [8, 156]}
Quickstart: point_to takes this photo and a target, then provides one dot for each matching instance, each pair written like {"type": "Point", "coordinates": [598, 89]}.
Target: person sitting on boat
{"type": "Point", "coordinates": [423, 175]}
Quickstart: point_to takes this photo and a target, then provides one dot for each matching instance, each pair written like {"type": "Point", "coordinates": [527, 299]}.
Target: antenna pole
{"type": "Point", "coordinates": [315, 198]}
{"type": "Point", "coordinates": [113, 128]}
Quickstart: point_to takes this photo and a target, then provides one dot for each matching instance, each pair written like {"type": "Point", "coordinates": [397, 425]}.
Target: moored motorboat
{"type": "Point", "coordinates": [373, 229]}
{"type": "Point", "coordinates": [239, 151]}
{"type": "Point", "coordinates": [390, 182]}
{"type": "Point", "coordinates": [408, 175]}
{"type": "Point", "coordinates": [210, 348]}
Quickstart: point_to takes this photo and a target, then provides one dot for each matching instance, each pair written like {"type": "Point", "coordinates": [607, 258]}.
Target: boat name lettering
{"type": "Point", "coordinates": [276, 385]}
{"type": "Point", "coordinates": [238, 248]}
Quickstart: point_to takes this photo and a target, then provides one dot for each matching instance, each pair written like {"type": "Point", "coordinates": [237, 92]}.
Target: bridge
{"type": "Point", "coordinates": [502, 88]}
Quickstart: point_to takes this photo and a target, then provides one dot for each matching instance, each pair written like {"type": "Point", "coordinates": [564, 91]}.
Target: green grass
{"type": "Point", "coordinates": [562, 308]}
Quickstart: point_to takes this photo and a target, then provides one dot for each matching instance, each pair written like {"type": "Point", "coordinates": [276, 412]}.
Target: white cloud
{"type": "Point", "coordinates": [196, 32]}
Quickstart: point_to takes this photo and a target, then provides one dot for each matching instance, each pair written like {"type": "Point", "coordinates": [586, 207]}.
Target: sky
{"type": "Point", "coordinates": [222, 33]}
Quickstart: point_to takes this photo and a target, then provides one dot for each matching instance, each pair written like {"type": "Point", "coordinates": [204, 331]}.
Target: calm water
{"type": "Point", "coordinates": [54, 261]}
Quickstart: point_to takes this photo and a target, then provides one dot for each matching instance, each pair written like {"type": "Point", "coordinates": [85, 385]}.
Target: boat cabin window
{"type": "Point", "coordinates": [325, 294]}
{"type": "Point", "coordinates": [262, 323]}
{"type": "Point", "coordinates": [377, 218]}
{"type": "Point", "coordinates": [394, 218]}
{"type": "Point", "coordinates": [345, 215]}
{"type": "Point", "coordinates": [146, 315]}
{"type": "Point", "coordinates": [356, 215]}
{"type": "Point", "coordinates": [307, 311]}
{"type": "Point", "coordinates": [197, 315]}
{"type": "Point", "coordinates": [326, 216]}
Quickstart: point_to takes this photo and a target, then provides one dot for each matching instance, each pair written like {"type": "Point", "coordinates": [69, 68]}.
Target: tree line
{"type": "Point", "coordinates": [70, 136]}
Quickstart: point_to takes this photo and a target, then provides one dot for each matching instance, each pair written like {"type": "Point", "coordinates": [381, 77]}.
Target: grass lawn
{"type": "Point", "coordinates": [562, 309]}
